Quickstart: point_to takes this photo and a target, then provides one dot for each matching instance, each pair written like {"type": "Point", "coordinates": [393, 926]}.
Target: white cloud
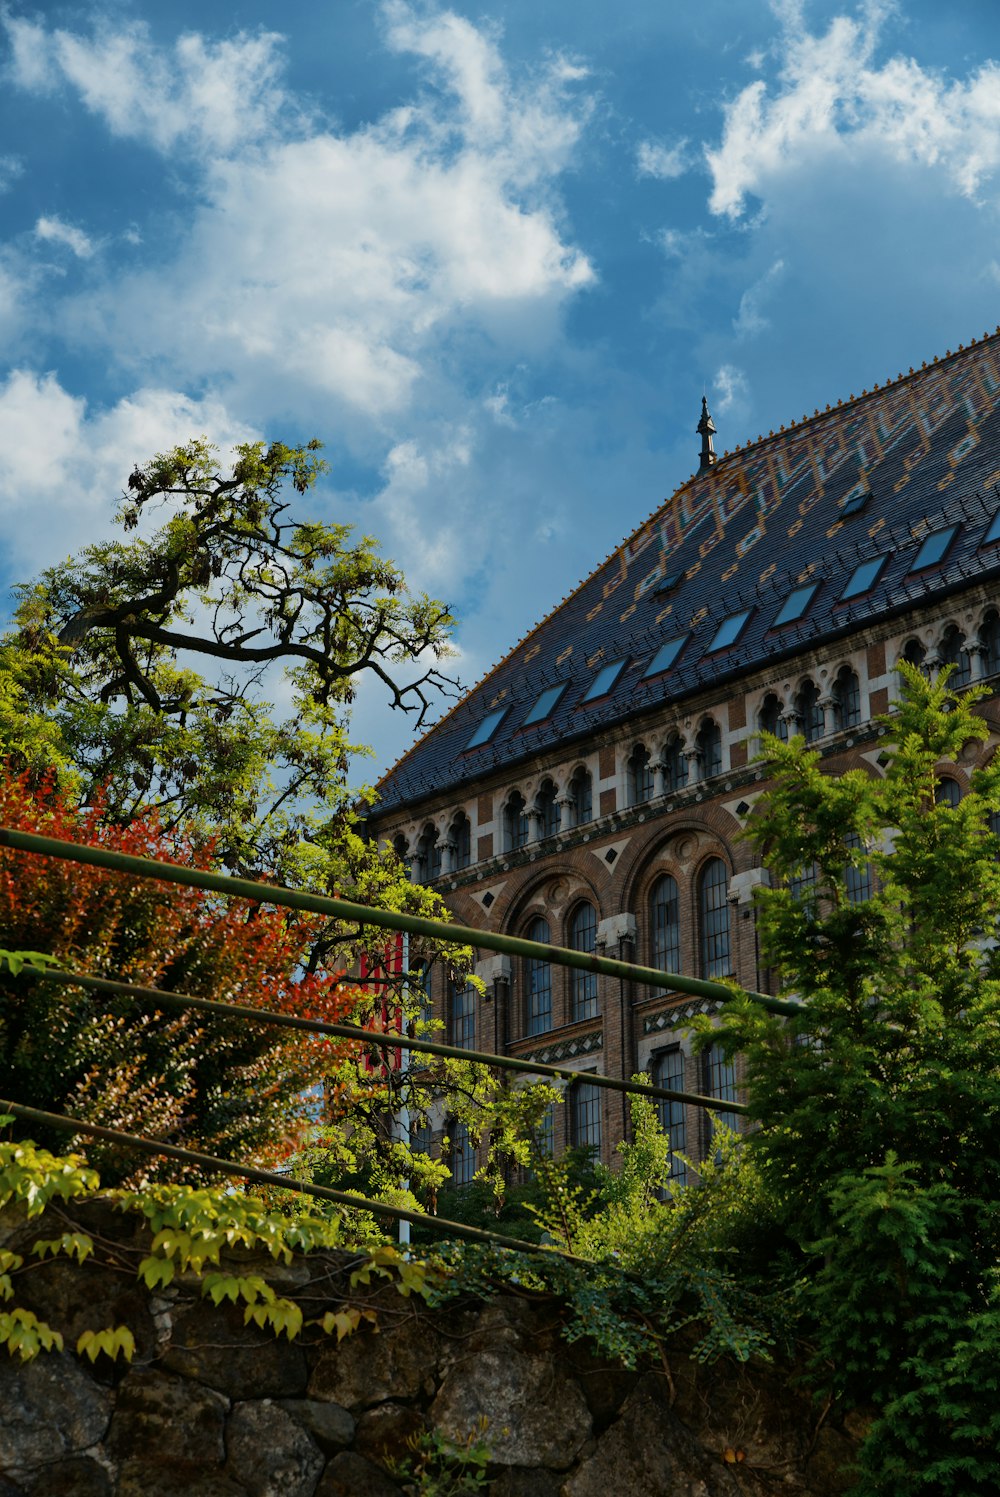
{"type": "Point", "coordinates": [834, 99]}
{"type": "Point", "coordinates": [63, 467]}
{"type": "Point", "coordinates": [11, 167]}
{"type": "Point", "coordinates": [750, 318]}
{"type": "Point", "coordinates": [428, 476]}
{"type": "Point", "coordinates": [664, 162]}
{"type": "Point", "coordinates": [213, 96]}
{"type": "Point", "coordinates": [339, 264]}
{"type": "Point", "coordinates": [732, 387]}
{"type": "Point", "coordinates": [55, 230]}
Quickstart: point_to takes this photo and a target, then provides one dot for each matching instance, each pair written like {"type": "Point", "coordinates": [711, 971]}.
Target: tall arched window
{"type": "Point", "coordinates": [989, 639]}
{"type": "Point", "coordinates": [709, 746]}
{"type": "Point", "coordinates": [669, 1073]}
{"type": "Point", "coordinates": [640, 776]}
{"type": "Point", "coordinates": [952, 651]}
{"type": "Point", "coordinates": [462, 1155]}
{"type": "Point", "coordinates": [720, 1082]}
{"type": "Point", "coordinates": [713, 909]}
{"type": "Point", "coordinates": [770, 718]}
{"type": "Point", "coordinates": [846, 699]}
{"type": "Point", "coordinates": [401, 848]}
{"type": "Point", "coordinates": [583, 937]}
{"type": "Point", "coordinates": [548, 809]}
{"type": "Point", "coordinates": [581, 790]}
{"type": "Point", "coordinates": [420, 978]}
{"type": "Point", "coordinates": [857, 880]}
{"type": "Point", "coordinates": [515, 822]}
{"type": "Point", "coordinates": [461, 837]}
{"type": "Point", "coordinates": [537, 983]}
{"type": "Point", "coordinates": [665, 925]}
{"type": "Point", "coordinates": [808, 711]}
{"type": "Point", "coordinates": [429, 854]}
{"type": "Point", "coordinates": [947, 792]}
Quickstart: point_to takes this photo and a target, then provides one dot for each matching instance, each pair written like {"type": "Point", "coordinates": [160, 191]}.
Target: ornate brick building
{"type": "Point", "coordinates": [591, 789]}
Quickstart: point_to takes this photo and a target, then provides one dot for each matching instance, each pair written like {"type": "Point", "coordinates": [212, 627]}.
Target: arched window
{"type": "Point", "coordinates": [581, 790]}
{"type": "Point", "coordinates": [669, 1073]}
{"type": "Point", "coordinates": [461, 837]}
{"type": "Point", "coordinates": [462, 1015]}
{"type": "Point", "coordinates": [709, 746]}
{"type": "Point", "coordinates": [429, 854]}
{"type": "Point", "coordinates": [537, 983]}
{"type": "Point", "coordinates": [914, 653]}
{"type": "Point", "coordinates": [548, 809]}
{"type": "Point", "coordinates": [585, 1116]}
{"type": "Point", "coordinates": [713, 909]}
{"type": "Point", "coordinates": [770, 718]}
{"type": "Point", "coordinates": [952, 651]}
{"type": "Point", "coordinates": [640, 776]}
{"type": "Point", "coordinates": [947, 792]}
{"type": "Point", "coordinates": [665, 925]}
{"type": "Point", "coordinates": [846, 699]}
{"type": "Point", "coordinates": [675, 765]}
{"type": "Point", "coordinates": [808, 711]}
{"type": "Point", "coordinates": [583, 937]}
{"type": "Point", "coordinates": [515, 823]}
{"type": "Point", "coordinates": [401, 848]}
{"type": "Point", "coordinates": [989, 639]}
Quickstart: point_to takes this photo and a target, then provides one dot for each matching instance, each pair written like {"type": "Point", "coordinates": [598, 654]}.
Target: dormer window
{"type": "Point", "coordinates": [486, 729]}
{"type": "Point", "coordinates": [934, 547]}
{"type": "Point", "coordinates": [603, 681]}
{"type": "Point", "coordinates": [544, 705]}
{"type": "Point", "coordinates": [729, 631]}
{"type": "Point", "coordinates": [796, 604]}
{"type": "Point", "coordinates": [665, 655]}
{"type": "Point", "coordinates": [863, 578]}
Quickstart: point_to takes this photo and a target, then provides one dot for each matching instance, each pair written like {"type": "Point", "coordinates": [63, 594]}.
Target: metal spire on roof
{"type": "Point", "coordinates": [706, 426]}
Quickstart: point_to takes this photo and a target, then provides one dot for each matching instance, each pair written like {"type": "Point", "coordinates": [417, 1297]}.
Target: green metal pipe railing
{"type": "Point", "coordinates": [414, 925]}
{"type": "Point", "coordinates": [440, 1224]}
{"type": "Point", "coordinates": [383, 1039]}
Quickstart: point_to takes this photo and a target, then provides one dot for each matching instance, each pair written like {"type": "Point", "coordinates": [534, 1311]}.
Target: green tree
{"type": "Point", "coordinates": [105, 648]}
{"type": "Point", "coordinates": [878, 1107]}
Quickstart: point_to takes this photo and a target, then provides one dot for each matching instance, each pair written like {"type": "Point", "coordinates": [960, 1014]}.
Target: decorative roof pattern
{"type": "Point", "coordinates": [738, 538]}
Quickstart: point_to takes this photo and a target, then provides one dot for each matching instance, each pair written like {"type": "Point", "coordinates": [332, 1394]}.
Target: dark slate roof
{"type": "Point", "coordinates": [742, 536]}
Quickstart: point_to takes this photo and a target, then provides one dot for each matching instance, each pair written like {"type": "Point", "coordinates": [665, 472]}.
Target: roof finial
{"type": "Point", "coordinates": [706, 426]}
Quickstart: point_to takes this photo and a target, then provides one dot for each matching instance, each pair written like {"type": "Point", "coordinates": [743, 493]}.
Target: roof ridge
{"type": "Point", "coordinates": [672, 500]}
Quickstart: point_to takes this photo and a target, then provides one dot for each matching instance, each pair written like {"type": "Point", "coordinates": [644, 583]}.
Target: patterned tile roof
{"type": "Point", "coordinates": [782, 511]}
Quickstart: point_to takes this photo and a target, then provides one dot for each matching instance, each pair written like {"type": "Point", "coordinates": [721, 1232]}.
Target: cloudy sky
{"type": "Point", "coordinates": [491, 254]}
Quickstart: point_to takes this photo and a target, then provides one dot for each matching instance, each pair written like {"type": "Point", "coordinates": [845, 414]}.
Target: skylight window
{"type": "Point", "coordinates": [729, 630]}
{"type": "Point", "coordinates": [666, 655]}
{"type": "Point", "coordinates": [796, 604]}
{"type": "Point", "coordinates": [544, 705]}
{"type": "Point", "coordinates": [863, 578]}
{"type": "Point", "coordinates": [855, 503]}
{"type": "Point", "coordinates": [993, 534]}
{"type": "Point", "coordinates": [604, 680]}
{"type": "Point", "coordinates": [486, 729]}
{"type": "Point", "coordinates": [670, 582]}
{"type": "Point", "coordinates": [933, 548]}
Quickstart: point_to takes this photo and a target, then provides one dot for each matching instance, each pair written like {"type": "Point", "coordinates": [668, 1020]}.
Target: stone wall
{"type": "Point", "coordinates": [210, 1407]}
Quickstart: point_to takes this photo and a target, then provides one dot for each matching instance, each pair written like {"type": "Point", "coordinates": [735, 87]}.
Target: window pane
{"type": "Point", "coordinates": [714, 909]}
{"type": "Point", "coordinates": [586, 1116]}
{"type": "Point", "coordinates": [720, 1082]}
{"type": "Point", "coordinates": [665, 655]}
{"type": "Point", "coordinates": [462, 1016]}
{"type": "Point", "coordinates": [538, 984]}
{"type": "Point", "coordinates": [933, 548]}
{"type": "Point", "coordinates": [582, 790]}
{"type": "Point", "coordinates": [729, 630]}
{"type": "Point", "coordinates": [947, 793]}
{"type": "Point", "coordinates": [858, 881]}
{"type": "Point", "coordinates": [795, 604]}
{"type": "Point", "coordinates": [486, 729]}
{"type": "Point", "coordinates": [863, 577]}
{"type": "Point", "coordinates": [544, 705]}
{"type": "Point", "coordinates": [604, 680]}
{"type": "Point", "coordinates": [673, 1115]}
{"type": "Point", "coordinates": [462, 1160]}
{"type": "Point", "coordinates": [993, 534]}
{"type": "Point", "coordinates": [666, 925]}
{"type": "Point", "coordinates": [583, 937]}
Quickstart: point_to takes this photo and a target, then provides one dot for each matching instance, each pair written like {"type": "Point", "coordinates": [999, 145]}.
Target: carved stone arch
{"type": "Point", "coordinates": [546, 890]}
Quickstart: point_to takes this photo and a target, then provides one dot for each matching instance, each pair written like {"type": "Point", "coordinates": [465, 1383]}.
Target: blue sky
{"type": "Point", "coordinates": [491, 255]}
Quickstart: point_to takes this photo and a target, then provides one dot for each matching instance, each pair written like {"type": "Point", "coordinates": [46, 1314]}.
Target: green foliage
{"type": "Point", "coordinates": [191, 1229]}
{"type": "Point", "coordinates": [879, 1104]}
{"type": "Point", "coordinates": [91, 680]}
{"type": "Point", "coordinates": [443, 1467]}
